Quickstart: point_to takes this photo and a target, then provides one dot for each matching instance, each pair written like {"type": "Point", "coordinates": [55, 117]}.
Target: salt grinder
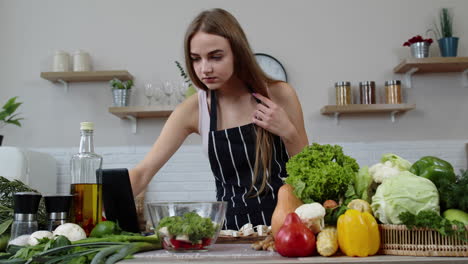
{"type": "Point", "coordinates": [58, 208]}
{"type": "Point", "coordinates": [26, 205]}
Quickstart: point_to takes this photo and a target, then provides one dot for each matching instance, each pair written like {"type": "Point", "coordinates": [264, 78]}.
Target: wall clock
{"type": "Point", "coordinates": [271, 66]}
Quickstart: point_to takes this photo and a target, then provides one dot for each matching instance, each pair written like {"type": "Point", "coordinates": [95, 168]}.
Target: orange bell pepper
{"type": "Point", "coordinates": [358, 234]}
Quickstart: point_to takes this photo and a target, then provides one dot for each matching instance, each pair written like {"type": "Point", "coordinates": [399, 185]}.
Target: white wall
{"type": "Point", "coordinates": [319, 42]}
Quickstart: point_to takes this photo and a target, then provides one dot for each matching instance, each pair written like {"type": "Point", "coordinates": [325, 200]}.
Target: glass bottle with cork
{"type": "Point", "coordinates": [86, 182]}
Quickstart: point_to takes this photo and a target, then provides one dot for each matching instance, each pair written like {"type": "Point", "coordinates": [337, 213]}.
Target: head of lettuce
{"type": "Point", "coordinates": [404, 192]}
{"type": "Point", "coordinates": [321, 172]}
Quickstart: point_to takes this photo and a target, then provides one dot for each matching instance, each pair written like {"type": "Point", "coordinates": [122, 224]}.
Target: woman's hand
{"type": "Point", "coordinates": [273, 118]}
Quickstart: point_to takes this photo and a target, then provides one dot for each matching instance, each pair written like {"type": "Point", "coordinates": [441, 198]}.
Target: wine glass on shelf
{"type": "Point", "coordinates": [149, 92]}
{"type": "Point", "coordinates": [157, 95]}
{"type": "Point", "coordinates": [182, 89]}
{"type": "Point", "coordinates": [168, 89]}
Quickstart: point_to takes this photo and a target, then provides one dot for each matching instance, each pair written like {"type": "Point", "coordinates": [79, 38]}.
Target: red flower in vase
{"type": "Point", "coordinates": [417, 39]}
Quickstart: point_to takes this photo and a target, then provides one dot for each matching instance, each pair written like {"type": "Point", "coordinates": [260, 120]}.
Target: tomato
{"type": "Point", "coordinates": [179, 244]}
{"type": "Point", "coordinates": [206, 241]}
{"type": "Point", "coordinates": [294, 239]}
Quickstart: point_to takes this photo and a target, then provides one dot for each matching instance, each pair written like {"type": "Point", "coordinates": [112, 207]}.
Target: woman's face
{"type": "Point", "coordinates": [212, 59]}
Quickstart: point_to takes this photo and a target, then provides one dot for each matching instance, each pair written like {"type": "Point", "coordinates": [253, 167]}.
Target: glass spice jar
{"type": "Point", "coordinates": [343, 93]}
{"type": "Point", "coordinates": [393, 92]}
{"type": "Point", "coordinates": [367, 92]}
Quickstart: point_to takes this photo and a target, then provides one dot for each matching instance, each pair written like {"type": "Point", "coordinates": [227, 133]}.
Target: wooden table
{"type": "Point", "coordinates": [242, 253]}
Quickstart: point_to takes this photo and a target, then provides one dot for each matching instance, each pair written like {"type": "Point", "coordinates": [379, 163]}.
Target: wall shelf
{"type": "Point", "coordinates": [433, 65]}
{"type": "Point", "coordinates": [393, 109]}
{"type": "Point", "coordinates": [135, 112]}
{"type": "Point", "coordinates": [88, 76]}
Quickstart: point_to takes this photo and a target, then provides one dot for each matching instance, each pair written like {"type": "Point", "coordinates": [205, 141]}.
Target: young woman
{"type": "Point", "coordinates": [249, 123]}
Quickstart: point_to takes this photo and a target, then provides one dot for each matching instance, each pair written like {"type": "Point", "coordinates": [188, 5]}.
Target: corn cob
{"type": "Point", "coordinates": [327, 241]}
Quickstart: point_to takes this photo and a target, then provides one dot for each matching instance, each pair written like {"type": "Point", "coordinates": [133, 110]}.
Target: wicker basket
{"type": "Point", "coordinates": [399, 240]}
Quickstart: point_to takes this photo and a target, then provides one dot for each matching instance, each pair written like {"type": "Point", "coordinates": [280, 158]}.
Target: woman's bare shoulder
{"type": "Point", "coordinates": [281, 92]}
{"type": "Point", "coordinates": [187, 112]}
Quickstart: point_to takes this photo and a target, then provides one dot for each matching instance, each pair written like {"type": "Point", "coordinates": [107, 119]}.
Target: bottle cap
{"type": "Point", "coordinates": [337, 84]}
{"type": "Point", "coordinates": [58, 203]}
{"type": "Point", "coordinates": [26, 202]}
{"type": "Point", "coordinates": [87, 126]}
{"type": "Point", "coordinates": [393, 82]}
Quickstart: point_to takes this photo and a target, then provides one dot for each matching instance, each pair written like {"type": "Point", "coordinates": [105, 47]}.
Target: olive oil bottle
{"type": "Point", "coordinates": [86, 182]}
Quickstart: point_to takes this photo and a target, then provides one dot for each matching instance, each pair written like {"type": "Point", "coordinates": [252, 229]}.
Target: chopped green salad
{"type": "Point", "coordinates": [191, 226]}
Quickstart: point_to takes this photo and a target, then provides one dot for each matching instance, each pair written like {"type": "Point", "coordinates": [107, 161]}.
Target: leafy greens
{"type": "Point", "coordinates": [321, 172]}
{"type": "Point", "coordinates": [191, 224]}
{"type": "Point", "coordinates": [431, 219]}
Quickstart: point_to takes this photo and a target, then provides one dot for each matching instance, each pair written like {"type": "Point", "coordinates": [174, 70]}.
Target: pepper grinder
{"type": "Point", "coordinates": [57, 208]}
{"type": "Point", "coordinates": [25, 206]}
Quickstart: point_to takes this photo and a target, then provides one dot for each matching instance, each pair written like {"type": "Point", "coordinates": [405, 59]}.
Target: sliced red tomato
{"type": "Point", "coordinates": [178, 244]}
{"type": "Point", "coordinates": [206, 241]}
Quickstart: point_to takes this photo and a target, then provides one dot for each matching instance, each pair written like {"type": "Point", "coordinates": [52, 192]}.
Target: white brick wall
{"type": "Point", "coordinates": [187, 175]}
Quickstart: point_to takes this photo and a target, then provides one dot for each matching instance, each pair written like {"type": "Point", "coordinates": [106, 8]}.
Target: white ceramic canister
{"type": "Point", "coordinates": [61, 61]}
{"type": "Point", "coordinates": [81, 61]}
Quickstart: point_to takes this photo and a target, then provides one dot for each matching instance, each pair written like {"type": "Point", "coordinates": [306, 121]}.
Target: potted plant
{"type": "Point", "coordinates": [121, 91]}
{"type": "Point", "coordinates": [8, 116]}
{"type": "Point", "coordinates": [443, 31]}
{"type": "Point", "coordinates": [419, 46]}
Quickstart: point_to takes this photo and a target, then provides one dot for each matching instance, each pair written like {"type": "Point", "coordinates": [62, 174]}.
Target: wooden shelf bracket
{"type": "Point", "coordinates": [392, 116]}
{"type": "Point", "coordinates": [465, 78]}
{"type": "Point", "coordinates": [65, 85]}
{"type": "Point", "coordinates": [133, 122]}
{"type": "Point", "coordinates": [337, 117]}
{"type": "Point", "coordinates": [408, 77]}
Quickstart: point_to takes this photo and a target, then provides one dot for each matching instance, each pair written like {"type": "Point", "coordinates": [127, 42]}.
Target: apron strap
{"type": "Point", "coordinates": [213, 112]}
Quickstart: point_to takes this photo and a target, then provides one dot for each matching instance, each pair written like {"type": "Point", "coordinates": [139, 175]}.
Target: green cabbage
{"type": "Point", "coordinates": [398, 162]}
{"type": "Point", "coordinates": [405, 192]}
{"type": "Point", "coordinates": [321, 172]}
{"type": "Point", "coordinates": [362, 184]}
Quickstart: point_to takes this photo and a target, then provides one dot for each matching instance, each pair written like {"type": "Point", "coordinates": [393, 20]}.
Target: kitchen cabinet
{"type": "Point", "coordinates": [392, 109]}
{"type": "Point", "coordinates": [134, 112]}
{"type": "Point", "coordinates": [87, 76]}
{"type": "Point", "coordinates": [411, 66]}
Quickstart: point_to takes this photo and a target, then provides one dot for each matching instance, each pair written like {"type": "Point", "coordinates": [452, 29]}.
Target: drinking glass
{"type": "Point", "coordinates": [157, 95]}
{"type": "Point", "coordinates": [182, 89]}
{"type": "Point", "coordinates": [168, 89]}
{"type": "Point", "coordinates": [149, 92]}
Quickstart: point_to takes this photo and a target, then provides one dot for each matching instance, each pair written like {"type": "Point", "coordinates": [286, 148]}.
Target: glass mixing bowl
{"type": "Point", "coordinates": [187, 226]}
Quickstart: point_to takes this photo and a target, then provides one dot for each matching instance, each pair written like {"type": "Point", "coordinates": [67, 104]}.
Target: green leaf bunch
{"type": "Point", "coordinates": [190, 224]}
{"type": "Point", "coordinates": [432, 220]}
{"type": "Point", "coordinates": [108, 250]}
{"type": "Point", "coordinates": [183, 73]}
{"type": "Point", "coordinates": [444, 27]}
{"type": "Point", "coordinates": [118, 84]}
{"type": "Point", "coordinates": [321, 172]}
{"type": "Point", "coordinates": [7, 115]}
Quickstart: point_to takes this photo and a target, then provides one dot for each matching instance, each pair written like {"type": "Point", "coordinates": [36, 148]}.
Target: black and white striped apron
{"type": "Point", "coordinates": [232, 158]}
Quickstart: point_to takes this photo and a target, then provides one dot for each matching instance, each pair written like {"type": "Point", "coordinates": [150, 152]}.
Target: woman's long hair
{"type": "Point", "coordinates": [220, 22]}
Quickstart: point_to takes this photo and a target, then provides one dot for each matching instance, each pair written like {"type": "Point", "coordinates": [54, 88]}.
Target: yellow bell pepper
{"type": "Point", "coordinates": [358, 234]}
